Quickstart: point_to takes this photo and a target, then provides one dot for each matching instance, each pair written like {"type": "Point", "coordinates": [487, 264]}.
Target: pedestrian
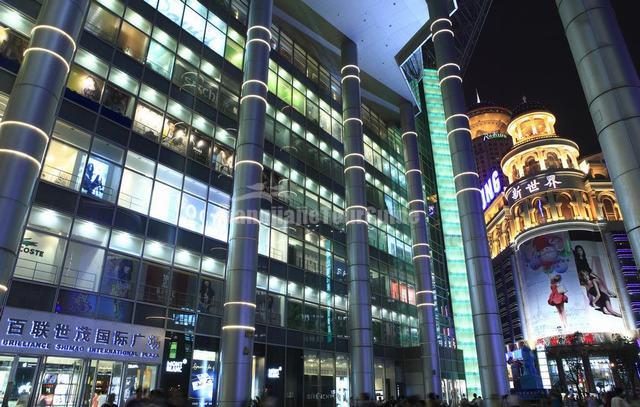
{"type": "Point", "coordinates": [618, 399]}
{"type": "Point", "coordinates": [111, 399]}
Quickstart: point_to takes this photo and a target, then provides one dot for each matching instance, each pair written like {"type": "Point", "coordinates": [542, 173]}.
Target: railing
{"type": "Point", "coordinates": [82, 279]}
{"type": "Point", "coordinates": [61, 177]}
{"type": "Point", "coordinates": [130, 202]}
{"type": "Point", "coordinates": [34, 270]}
{"type": "Point", "coordinates": [152, 293]}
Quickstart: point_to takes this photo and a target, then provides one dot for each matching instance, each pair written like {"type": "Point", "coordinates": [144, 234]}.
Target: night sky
{"type": "Point", "coordinates": [522, 50]}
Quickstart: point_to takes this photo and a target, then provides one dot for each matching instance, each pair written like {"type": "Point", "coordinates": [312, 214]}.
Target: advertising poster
{"type": "Point", "coordinates": [203, 379]}
{"type": "Point", "coordinates": [568, 286]}
{"type": "Point", "coordinates": [95, 176]}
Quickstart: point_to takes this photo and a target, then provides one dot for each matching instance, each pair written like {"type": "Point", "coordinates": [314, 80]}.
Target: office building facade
{"type": "Point", "coordinates": [122, 278]}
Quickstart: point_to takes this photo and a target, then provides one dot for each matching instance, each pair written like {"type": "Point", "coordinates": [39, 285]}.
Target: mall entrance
{"type": "Point", "coordinates": [54, 381]}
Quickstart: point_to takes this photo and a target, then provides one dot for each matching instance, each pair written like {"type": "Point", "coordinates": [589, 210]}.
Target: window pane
{"type": "Point", "coordinates": [82, 267]}
{"type": "Point", "coordinates": [125, 242]}
{"type": "Point", "coordinates": [85, 84]}
{"type": "Point", "coordinates": [183, 290]}
{"type": "Point", "coordinates": [217, 222]}
{"type": "Point", "coordinates": [101, 179]}
{"type": "Point", "coordinates": [49, 221]}
{"type": "Point", "coordinates": [153, 282]}
{"type": "Point", "coordinates": [209, 298]}
{"type": "Point", "coordinates": [192, 213]}
{"type": "Point", "coordinates": [160, 59]}
{"type": "Point", "coordinates": [165, 203]}
{"type": "Point", "coordinates": [40, 257]}
{"type": "Point", "coordinates": [133, 42]}
{"type": "Point", "coordinates": [119, 276]}
{"type": "Point", "coordinates": [193, 23]}
{"type": "Point", "coordinates": [102, 23]}
{"type": "Point", "coordinates": [90, 232]}
{"type": "Point", "coordinates": [215, 39]}
{"type": "Point", "coordinates": [63, 165]}
{"type": "Point", "coordinates": [135, 192]}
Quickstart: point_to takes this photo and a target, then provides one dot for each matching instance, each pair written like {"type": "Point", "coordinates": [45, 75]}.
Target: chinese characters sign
{"type": "Point", "coordinates": [543, 183]}
{"type": "Point", "coordinates": [43, 333]}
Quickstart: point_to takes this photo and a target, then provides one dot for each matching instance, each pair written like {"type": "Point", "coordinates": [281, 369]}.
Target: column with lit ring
{"type": "Point", "coordinates": [612, 88]}
{"type": "Point", "coordinates": [238, 324]}
{"type": "Point", "coordinates": [30, 116]}
{"type": "Point", "coordinates": [484, 302]}
{"type": "Point", "coordinates": [360, 332]}
{"type": "Point", "coordinates": [425, 296]}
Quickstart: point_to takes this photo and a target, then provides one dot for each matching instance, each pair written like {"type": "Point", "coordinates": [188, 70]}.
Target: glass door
{"type": "Point", "coordinates": [5, 375]}
{"type": "Point", "coordinates": [59, 382]}
{"type": "Point", "coordinates": [132, 382]}
{"type": "Point", "coordinates": [17, 376]}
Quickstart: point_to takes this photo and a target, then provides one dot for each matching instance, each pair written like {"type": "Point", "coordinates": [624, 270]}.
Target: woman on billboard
{"type": "Point", "coordinates": [600, 300]}
{"type": "Point", "coordinates": [558, 298]}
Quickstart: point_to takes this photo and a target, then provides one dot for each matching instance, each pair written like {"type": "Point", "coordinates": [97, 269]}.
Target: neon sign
{"type": "Point", "coordinates": [490, 189]}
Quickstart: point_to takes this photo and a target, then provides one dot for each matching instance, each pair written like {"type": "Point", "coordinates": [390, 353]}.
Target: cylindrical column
{"type": "Point", "coordinates": [611, 86]}
{"type": "Point", "coordinates": [425, 295]}
{"type": "Point", "coordinates": [484, 303]}
{"type": "Point", "coordinates": [30, 116]}
{"type": "Point", "coordinates": [238, 324]}
{"type": "Point", "coordinates": [361, 336]}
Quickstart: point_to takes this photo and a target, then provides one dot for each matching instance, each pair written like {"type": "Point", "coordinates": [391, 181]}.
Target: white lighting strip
{"type": "Point", "coordinates": [454, 116]}
{"type": "Point", "coordinates": [38, 130]}
{"type": "Point", "coordinates": [353, 154]}
{"type": "Point", "coordinates": [450, 77]}
{"type": "Point", "coordinates": [21, 155]}
{"type": "Point", "coordinates": [356, 207]}
{"type": "Point", "coordinates": [56, 29]}
{"type": "Point", "coordinates": [242, 99]}
{"type": "Point", "coordinates": [425, 292]}
{"type": "Point", "coordinates": [235, 218]}
{"type": "Point", "coordinates": [3, 288]}
{"type": "Point", "coordinates": [350, 77]}
{"type": "Point", "coordinates": [417, 211]}
{"type": "Point", "coordinates": [421, 256]}
{"type": "Point", "coordinates": [249, 162]}
{"type": "Point", "coordinates": [260, 40]}
{"type": "Point", "coordinates": [458, 129]}
{"type": "Point", "coordinates": [416, 201]}
{"type": "Point", "coordinates": [48, 51]}
{"type": "Point", "coordinates": [420, 245]}
{"type": "Point", "coordinates": [426, 304]}
{"type": "Point", "coordinates": [255, 81]}
{"type": "Point", "coordinates": [443, 30]}
{"type": "Point", "coordinates": [356, 221]}
{"type": "Point", "coordinates": [468, 189]}
{"type": "Point", "coordinates": [466, 173]}
{"type": "Point", "coordinates": [248, 304]}
{"type": "Point", "coordinates": [259, 27]}
{"type": "Point", "coordinates": [413, 170]}
{"type": "Point", "coordinates": [354, 167]}
{"type": "Point", "coordinates": [448, 64]}
{"type": "Point", "coordinates": [351, 118]}
{"type": "Point", "coordinates": [406, 133]}
{"type": "Point", "coordinates": [246, 327]}
{"type": "Point", "coordinates": [350, 66]}
{"type": "Point", "coordinates": [438, 20]}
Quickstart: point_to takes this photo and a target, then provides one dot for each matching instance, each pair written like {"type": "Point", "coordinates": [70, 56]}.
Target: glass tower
{"type": "Point", "coordinates": [447, 205]}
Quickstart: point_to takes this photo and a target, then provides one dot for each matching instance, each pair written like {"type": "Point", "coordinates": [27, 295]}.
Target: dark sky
{"type": "Point", "coordinates": [522, 50]}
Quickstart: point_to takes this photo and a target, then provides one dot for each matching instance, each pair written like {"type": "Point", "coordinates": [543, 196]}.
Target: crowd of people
{"type": "Point", "coordinates": [614, 398]}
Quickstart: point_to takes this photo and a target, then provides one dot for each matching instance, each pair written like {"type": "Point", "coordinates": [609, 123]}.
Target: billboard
{"type": "Point", "coordinates": [567, 285]}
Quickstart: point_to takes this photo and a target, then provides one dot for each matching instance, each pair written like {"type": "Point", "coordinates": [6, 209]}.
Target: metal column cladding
{"type": "Point", "coordinates": [484, 304]}
{"type": "Point", "coordinates": [611, 86]}
{"type": "Point", "coordinates": [425, 295]}
{"type": "Point", "coordinates": [30, 116]}
{"type": "Point", "coordinates": [238, 324]}
{"type": "Point", "coordinates": [361, 335]}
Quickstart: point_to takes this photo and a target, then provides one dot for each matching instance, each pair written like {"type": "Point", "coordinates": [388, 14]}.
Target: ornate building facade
{"type": "Point", "coordinates": [561, 261]}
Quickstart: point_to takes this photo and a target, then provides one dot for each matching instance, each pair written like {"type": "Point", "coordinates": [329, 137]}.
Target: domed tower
{"type": "Point", "coordinates": [546, 183]}
{"type": "Point", "coordinates": [488, 124]}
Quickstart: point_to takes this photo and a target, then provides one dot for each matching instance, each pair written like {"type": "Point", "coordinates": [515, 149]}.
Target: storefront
{"type": "Point", "coordinates": [49, 359]}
